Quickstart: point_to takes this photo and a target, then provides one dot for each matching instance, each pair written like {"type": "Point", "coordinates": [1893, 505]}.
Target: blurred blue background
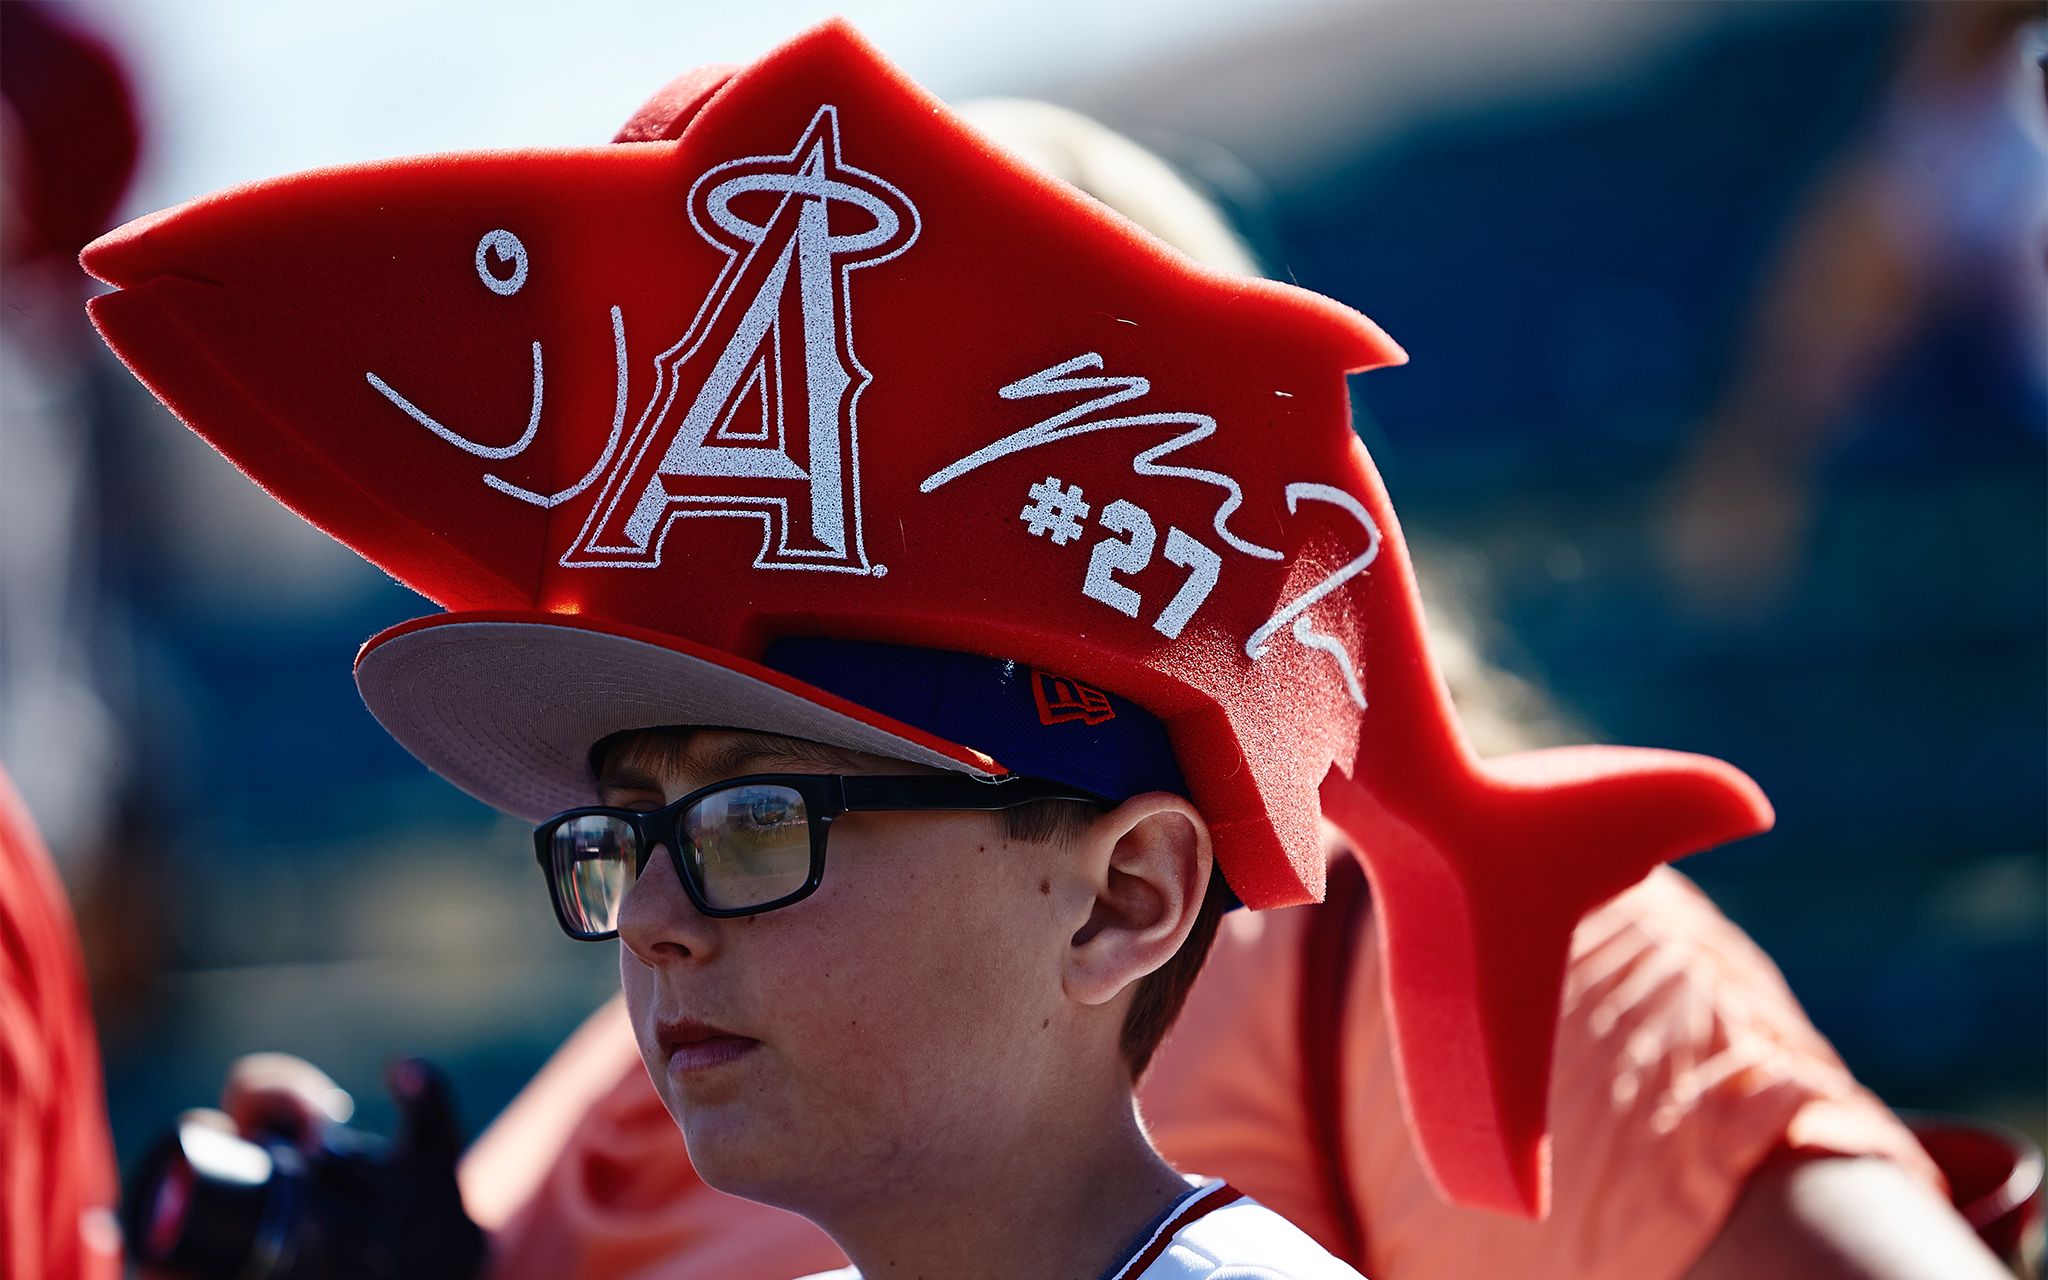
{"type": "Point", "coordinates": [1726, 414]}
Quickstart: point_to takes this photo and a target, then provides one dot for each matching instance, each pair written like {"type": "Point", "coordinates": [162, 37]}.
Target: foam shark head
{"type": "Point", "coordinates": [807, 356]}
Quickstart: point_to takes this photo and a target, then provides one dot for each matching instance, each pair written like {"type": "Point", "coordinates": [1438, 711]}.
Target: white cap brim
{"type": "Point", "coordinates": [508, 706]}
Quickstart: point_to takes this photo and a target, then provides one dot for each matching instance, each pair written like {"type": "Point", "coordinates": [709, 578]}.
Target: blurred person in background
{"type": "Point", "coordinates": [1703, 1128]}
{"type": "Point", "coordinates": [68, 144]}
{"type": "Point", "coordinates": [1939, 215]}
{"type": "Point", "coordinates": [72, 139]}
{"type": "Point", "coordinates": [71, 142]}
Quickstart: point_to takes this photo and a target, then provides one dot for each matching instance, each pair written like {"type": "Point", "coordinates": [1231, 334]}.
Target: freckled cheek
{"type": "Point", "coordinates": [837, 988]}
{"type": "Point", "coordinates": [907, 970]}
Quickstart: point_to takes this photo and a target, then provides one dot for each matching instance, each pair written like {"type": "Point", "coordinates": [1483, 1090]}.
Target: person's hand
{"type": "Point", "coordinates": [279, 1094]}
{"type": "Point", "coordinates": [389, 1209]}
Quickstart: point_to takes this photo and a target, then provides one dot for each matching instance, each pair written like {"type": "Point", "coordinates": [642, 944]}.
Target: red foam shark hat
{"type": "Point", "coordinates": [803, 355]}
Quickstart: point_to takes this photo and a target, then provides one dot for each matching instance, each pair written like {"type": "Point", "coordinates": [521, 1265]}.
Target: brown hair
{"type": "Point", "coordinates": [1162, 992]}
{"type": "Point", "coordinates": [1158, 996]}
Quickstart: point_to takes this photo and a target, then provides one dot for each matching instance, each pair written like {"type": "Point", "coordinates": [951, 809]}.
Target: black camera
{"type": "Point", "coordinates": [209, 1204]}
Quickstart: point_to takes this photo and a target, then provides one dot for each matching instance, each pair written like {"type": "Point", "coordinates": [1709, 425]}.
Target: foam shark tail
{"type": "Point", "coordinates": [1480, 870]}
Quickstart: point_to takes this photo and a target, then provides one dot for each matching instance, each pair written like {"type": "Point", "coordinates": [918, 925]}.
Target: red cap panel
{"type": "Point", "coordinates": [811, 357]}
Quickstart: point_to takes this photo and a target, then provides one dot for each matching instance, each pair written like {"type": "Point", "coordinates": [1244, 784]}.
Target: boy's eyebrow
{"type": "Point", "coordinates": [631, 770]}
{"type": "Point", "coordinates": [747, 753]}
{"type": "Point", "coordinates": [629, 777]}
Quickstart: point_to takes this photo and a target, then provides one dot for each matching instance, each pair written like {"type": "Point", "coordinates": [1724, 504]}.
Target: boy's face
{"type": "Point", "coordinates": [914, 1002]}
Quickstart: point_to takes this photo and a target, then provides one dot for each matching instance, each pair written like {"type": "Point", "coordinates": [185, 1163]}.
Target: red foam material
{"type": "Point", "coordinates": [663, 117]}
{"type": "Point", "coordinates": [929, 297]}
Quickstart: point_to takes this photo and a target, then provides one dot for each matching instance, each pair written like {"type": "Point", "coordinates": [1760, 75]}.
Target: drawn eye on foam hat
{"type": "Point", "coordinates": [502, 246]}
{"type": "Point", "coordinates": [498, 247]}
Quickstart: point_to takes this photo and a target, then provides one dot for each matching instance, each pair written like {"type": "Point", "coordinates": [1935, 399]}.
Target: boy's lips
{"type": "Point", "coordinates": [690, 1045]}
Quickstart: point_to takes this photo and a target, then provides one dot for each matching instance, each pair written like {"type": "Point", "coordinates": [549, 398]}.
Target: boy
{"type": "Point", "coordinates": [878, 337]}
{"type": "Point", "coordinates": [899, 1055]}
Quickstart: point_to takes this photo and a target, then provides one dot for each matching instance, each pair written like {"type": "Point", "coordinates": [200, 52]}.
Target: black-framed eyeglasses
{"type": "Point", "coordinates": [745, 845]}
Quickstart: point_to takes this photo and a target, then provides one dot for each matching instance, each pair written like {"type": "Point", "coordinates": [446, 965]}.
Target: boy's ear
{"type": "Point", "coordinates": [1148, 861]}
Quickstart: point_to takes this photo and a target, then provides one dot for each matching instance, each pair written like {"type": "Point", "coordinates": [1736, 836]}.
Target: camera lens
{"type": "Point", "coordinates": [206, 1203]}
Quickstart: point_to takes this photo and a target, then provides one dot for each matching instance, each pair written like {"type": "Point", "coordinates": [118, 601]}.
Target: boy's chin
{"type": "Point", "coordinates": [747, 1157]}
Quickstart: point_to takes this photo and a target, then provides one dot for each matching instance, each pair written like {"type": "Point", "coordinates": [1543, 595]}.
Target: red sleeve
{"type": "Point", "coordinates": [57, 1183]}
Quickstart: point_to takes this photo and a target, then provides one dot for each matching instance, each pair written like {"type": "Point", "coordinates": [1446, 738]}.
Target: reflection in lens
{"type": "Point", "coordinates": [749, 845]}
{"type": "Point", "coordinates": [593, 868]}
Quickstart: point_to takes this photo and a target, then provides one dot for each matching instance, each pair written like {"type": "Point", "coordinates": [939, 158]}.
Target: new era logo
{"type": "Point", "coordinates": [1060, 699]}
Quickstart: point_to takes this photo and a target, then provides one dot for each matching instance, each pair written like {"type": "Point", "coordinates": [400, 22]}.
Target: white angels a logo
{"type": "Point", "coordinates": [759, 396]}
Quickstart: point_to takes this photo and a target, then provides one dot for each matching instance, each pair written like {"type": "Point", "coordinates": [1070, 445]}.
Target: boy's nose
{"type": "Point", "coordinates": [658, 922]}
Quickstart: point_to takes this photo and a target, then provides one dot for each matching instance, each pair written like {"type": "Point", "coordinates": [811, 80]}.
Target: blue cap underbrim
{"type": "Point", "coordinates": [1033, 721]}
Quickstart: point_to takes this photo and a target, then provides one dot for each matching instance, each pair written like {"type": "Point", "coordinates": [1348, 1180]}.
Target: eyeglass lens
{"type": "Point", "coordinates": [593, 857]}
{"type": "Point", "coordinates": [744, 847]}
{"type": "Point", "coordinates": [748, 845]}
